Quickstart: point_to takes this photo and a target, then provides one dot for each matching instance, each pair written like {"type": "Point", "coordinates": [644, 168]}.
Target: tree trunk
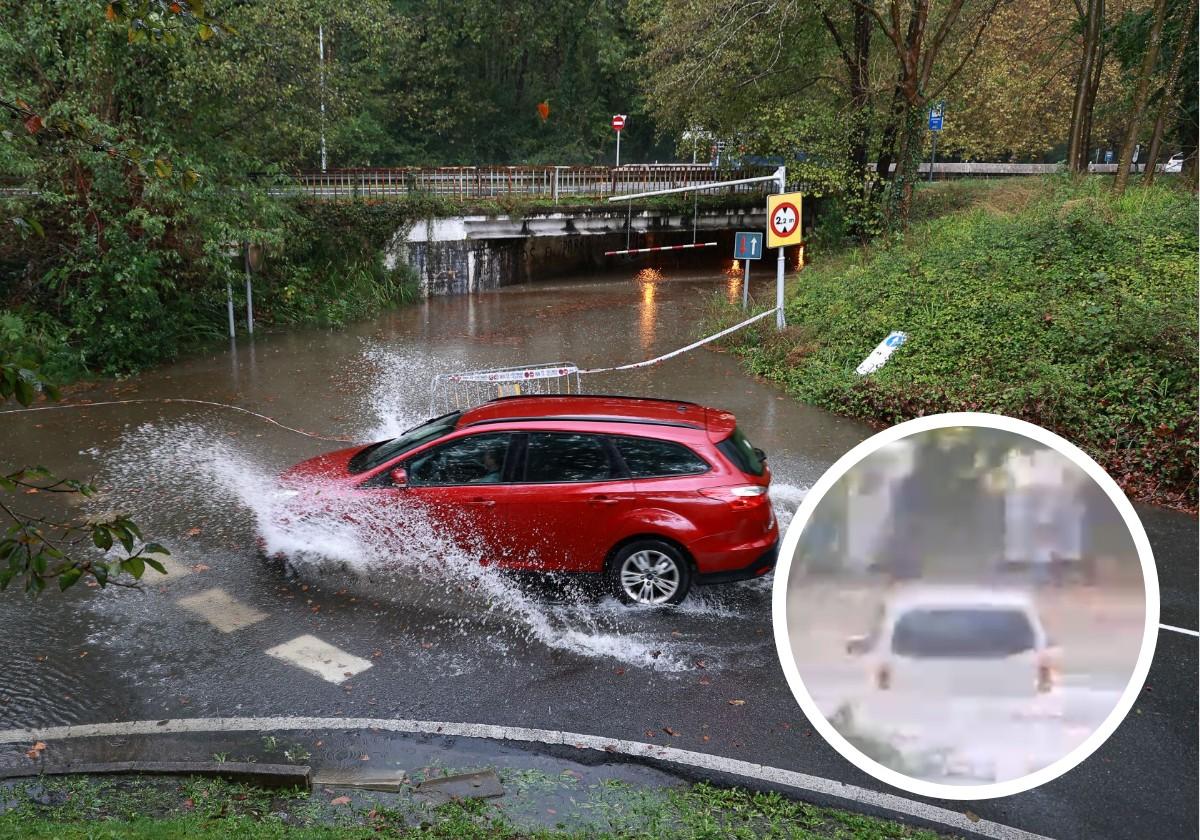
{"type": "Point", "coordinates": [1081, 111]}
{"type": "Point", "coordinates": [1140, 97]}
{"type": "Point", "coordinates": [1167, 97]}
{"type": "Point", "coordinates": [1092, 90]}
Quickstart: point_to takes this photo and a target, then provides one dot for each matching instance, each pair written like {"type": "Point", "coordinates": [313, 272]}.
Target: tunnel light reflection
{"type": "Point", "coordinates": [648, 311]}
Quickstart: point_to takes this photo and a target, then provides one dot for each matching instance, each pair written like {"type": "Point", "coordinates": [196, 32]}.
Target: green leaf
{"type": "Point", "coordinates": [154, 548]}
{"type": "Point", "coordinates": [163, 167]}
{"type": "Point", "coordinates": [154, 564]}
{"type": "Point", "coordinates": [190, 177]}
{"type": "Point", "coordinates": [101, 574]}
{"type": "Point", "coordinates": [24, 391]}
{"type": "Point", "coordinates": [69, 577]}
{"type": "Point", "coordinates": [206, 32]}
{"type": "Point", "coordinates": [102, 538]}
{"type": "Point", "coordinates": [134, 565]}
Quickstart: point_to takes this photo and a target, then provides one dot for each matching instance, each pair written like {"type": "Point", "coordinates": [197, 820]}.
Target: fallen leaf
{"type": "Point", "coordinates": [971, 815]}
{"type": "Point", "coordinates": [670, 731]}
{"type": "Point", "coordinates": [341, 800]}
{"type": "Point", "coordinates": [36, 750]}
{"type": "Point", "coordinates": [189, 804]}
{"type": "Point", "coordinates": [192, 532]}
{"type": "Point", "coordinates": [200, 567]}
{"type": "Point", "coordinates": [737, 702]}
{"type": "Point", "coordinates": [704, 737]}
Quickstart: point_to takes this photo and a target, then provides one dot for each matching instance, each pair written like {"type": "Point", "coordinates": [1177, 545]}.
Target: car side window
{"type": "Point", "coordinates": [649, 458]}
{"type": "Point", "coordinates": [478, 459]}
{"type": "Point", "coordinates": [553, 457]}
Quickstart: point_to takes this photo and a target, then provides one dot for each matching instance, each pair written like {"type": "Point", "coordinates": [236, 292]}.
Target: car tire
{"type": "Point", "coordinates": [650, 573]}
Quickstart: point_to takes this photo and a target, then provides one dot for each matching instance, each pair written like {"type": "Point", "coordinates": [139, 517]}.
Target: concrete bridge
{"type": "Point", "coordinates": [474, 252]}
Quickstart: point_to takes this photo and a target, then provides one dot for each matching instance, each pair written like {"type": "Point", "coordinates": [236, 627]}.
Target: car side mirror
{"type": "Point", "coordinates": [762, 456]}
{"type": "Point", "coordinates": [399, 477]}
{"type": "Point", "coordinates": [858, 645]}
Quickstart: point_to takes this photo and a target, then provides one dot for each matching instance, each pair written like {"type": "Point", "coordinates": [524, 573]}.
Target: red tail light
{"type": "Point", "coordinates": [738, 496]}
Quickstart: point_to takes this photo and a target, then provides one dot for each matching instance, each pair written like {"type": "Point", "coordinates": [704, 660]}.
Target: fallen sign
{"type": "Point", "coordinates": [881, 353]}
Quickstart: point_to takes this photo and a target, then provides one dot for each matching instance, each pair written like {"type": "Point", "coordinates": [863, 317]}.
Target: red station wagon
{"type": "Point", "coordinates": [656, 495]}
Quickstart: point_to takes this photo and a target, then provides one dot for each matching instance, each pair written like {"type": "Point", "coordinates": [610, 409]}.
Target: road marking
{"type": "Point", "coordinates": [174, 570]}
{"type": "Point", "coordinates": [222, 610]}
{"type": "Point", "coordinates": [788, 778]}
{"type": "Point", "coordinates": [1183, 630]}
{"type": "Point", "coordinates": [320, 658]}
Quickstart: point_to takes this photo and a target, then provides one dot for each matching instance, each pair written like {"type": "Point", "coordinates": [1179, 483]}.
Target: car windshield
{"type": "Point", "coordinates": [380, 453]}
{"type": "Point", "coordinates": [743, 454]}
{"type": "Point", "coordinates": [962, 632]}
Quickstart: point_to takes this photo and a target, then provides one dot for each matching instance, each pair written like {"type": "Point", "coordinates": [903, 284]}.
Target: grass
{"type": "Point", "coordinates": [87, 809]}
{"type": "Point", "coordinates": [1046, 299]}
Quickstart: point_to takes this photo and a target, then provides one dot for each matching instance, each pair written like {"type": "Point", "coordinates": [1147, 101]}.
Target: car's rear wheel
{"type": "Point", "coordinates": [650, 573]}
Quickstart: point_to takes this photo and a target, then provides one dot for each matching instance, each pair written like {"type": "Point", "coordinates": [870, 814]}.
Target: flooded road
{"type": "Point", "coordinates": [228, 634]}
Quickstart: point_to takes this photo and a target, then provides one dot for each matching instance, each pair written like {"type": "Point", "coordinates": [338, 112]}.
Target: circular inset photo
{"type": "Point", "coordinates": [966, 606]}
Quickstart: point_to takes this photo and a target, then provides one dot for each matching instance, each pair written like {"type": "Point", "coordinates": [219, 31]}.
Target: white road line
{"type": "Point", "coordinates": [1183, 630]}
{"type": "Point", "coordinates": [320, 658]}
{"type": "Point", "coordinates": [788, 778]}
{"type": "Point", "coordinates": [221, 610]}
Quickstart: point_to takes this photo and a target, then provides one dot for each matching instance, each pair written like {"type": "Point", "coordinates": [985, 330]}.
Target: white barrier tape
{"type": "Point", "coordinates": [691, 346]}
{"type": "Point", "coordinates": [263, 417]}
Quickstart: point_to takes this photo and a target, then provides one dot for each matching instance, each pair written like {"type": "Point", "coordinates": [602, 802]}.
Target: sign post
{"type": "Point", "coordinates": [618, 123]}
{"type": "Point", "coordinates": [936, 113]}
{"type": "Point", "coordinates": [747, 246]}
{"type": "Point", "coordinates": [783, 228]}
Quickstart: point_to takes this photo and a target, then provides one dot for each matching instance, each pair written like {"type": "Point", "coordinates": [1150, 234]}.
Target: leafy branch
{"type": "Point", "coordinates": [38, 549]}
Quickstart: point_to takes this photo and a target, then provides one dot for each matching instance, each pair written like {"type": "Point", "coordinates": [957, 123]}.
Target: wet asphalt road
{"type": "Point", "coordinates": [538, 660]}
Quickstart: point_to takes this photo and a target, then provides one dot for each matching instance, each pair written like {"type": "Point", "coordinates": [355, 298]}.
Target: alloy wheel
{"type": "Point", "coordinates": [650, 577]}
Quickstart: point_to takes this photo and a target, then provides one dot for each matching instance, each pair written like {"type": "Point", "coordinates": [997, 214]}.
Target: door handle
{"type": "Point", "coordinates": [483, 502]}
{"type": "Point", "coordinates": [604, 500]}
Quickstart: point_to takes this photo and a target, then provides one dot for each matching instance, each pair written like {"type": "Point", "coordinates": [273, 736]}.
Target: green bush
{"type": "Point", "coordinates": [1064, 306]}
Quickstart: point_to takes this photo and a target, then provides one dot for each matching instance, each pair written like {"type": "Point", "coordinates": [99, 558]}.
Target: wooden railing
{"type": "Point", "coordinates": [553, 182]}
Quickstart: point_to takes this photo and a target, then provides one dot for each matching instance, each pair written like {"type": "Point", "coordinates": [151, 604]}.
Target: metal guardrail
{"type": "Point", "coordinates": [483, 182]}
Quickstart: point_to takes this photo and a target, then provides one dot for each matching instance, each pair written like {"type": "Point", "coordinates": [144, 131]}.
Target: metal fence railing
{"type": "Point", "coordinates": [483, 182]}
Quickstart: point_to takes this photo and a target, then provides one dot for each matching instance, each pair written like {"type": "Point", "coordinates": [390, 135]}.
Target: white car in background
{"type": "Point", "coordinates": [1175, 164]}
{"type": "Point", "coordinates": [949, 642]}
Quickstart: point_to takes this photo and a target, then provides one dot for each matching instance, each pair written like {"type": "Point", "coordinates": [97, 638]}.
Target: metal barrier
{"type": "Point", "coordinates": [454, 391]}
{"type": "Point", "coordinates": [483, 182]}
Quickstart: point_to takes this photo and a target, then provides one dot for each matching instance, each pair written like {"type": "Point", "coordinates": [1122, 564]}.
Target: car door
{"type": "Point", "coordinates": [459, 489]}
{"type": "Point", "coordinates": [566, 506]}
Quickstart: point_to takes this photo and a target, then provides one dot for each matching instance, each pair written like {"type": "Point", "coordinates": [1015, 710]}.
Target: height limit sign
{"type": "Point", "coordinates": [783, 220]}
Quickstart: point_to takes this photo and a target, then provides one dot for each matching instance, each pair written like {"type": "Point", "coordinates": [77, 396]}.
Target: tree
{"type": "Point", "coordinates": [917, 41]}
{"type": "Point", "coordinates": [1167, 93]}
{"type": "Point", "coordinates": [1140, 97]}
{"type": "Point", "coordinates": [1087, 82]}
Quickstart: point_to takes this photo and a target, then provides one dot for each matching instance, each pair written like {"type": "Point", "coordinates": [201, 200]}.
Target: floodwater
{"type": "Point", "coordinates": [201, 480]}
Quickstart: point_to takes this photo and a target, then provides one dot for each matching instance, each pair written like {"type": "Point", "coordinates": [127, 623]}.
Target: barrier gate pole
{"type": "Point", "coordinates": [746, 285]}
{"type": "Point", "coordinates": [780, 322]}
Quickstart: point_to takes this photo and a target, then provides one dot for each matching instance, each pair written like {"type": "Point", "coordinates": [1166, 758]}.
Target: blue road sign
{"type": "Point", "coordinates": [935, 116]}
{"type": "Point", "coordinates": [747, 246]}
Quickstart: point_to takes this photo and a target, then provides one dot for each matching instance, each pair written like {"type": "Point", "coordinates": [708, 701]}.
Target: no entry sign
{"type": "Point", "coordinates": [783, 220]}
{"type": "Point", "coordinates": [618, 122]}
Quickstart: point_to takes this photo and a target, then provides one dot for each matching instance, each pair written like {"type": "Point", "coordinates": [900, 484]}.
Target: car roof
{"type": "Point", "coordinates": [601, 408]}
{"type": "Point", "coordinates": [950, 595]}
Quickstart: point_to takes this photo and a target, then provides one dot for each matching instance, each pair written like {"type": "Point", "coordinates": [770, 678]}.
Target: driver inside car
{"type": "Point", "coordinates": [493, 465]}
